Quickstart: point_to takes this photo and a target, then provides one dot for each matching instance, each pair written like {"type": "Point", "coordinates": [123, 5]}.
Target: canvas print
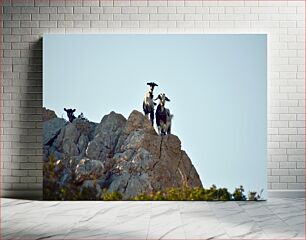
{"type": "Point", "coordinates": [155, 117]}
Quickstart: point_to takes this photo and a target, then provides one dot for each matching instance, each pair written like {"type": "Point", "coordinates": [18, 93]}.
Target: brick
{"type": "Point", "coordinates": [47, 24]}
{"type": "Point", "coordinates": [10, 9]}
{"type": "Point", "coordinates": [27, 179]}
{"type": "Point", "coordinates": [295, 158]}
{"type": "Point", "coordinates": [300, 165]}
{"type": "Point", "coordinates": [119, 17]}
{"type": "Point", "coordinates": [287, 179]}
{"type": "Point", "coordinates": [111, 10]}
{"type": "Point", "coordinates": [167, 24]}
{"type": "Point", "coordinates": [65, 24]}
{"type": "Point", "coordinates": [36, 173]}
{"type": "Point", "coordinates": [287, 131]}
{"type": "Point", "coordinates": [48, 10]}
{"type": "Point", "coordinates": [19, 186]}
{"type": "Point", "coordinates": [10, 179]}
{"type": "Point", "coordinates": [139, 17]}
{"type": "Point", "coordinates": [114, 24]}
{"type": "Point", "coordinates": [94, 3]}
{"type": "Point", "coordinates": [287, 116]}
{"type": "Point", "coordinates": [157, 3]}
{"type": "Point", "coordinates": [21, 17]}
{"type": "Point", "coordinates": [74, 3]}
{"type": "Point", "coordinates": [273, 165]}
{"type": "Point", "coordinates": [280, 124]}
{"type": "Point", "coordinates": [287, 165]}
{"type": "Point", "coordinates": [242, 10]}
{"type": "Point", "coordinates": [103, 17]}
{"type": "Point", "coordinates": [81, 10]}
{"type": "Point", "coordinates": [202, 10]}
{"type": "Point", "coordinates": [158, 17]}
{"type": "Point", "coordinates": [166, 10]}
{"type": "Point", "coordinates": [276, 186]}
{"type": "Point", "coordinates": [26, 3]}
{"type": "Point", "coordinates": [295, 151]}
{"type": "Point", "coordinates": [297, 138]}
{"type": "Point", "coordinates": [185, 24]}
{"type": "Point", "coordinates": [137, 3]}
{"type": "Point", "coordinates": [148, 24]}
{"type": "Point", "coordinates": [57, 3]}
{"type": "Point", "coordinates": [287, 145]}
{"type": "Point", "coordinates": [189, 3]}
{"type": "Point", "coordinates": [300, 179]}
{"type": "Point", "coordinates": [21, 31]}
{"type": "Point", "coordinates": [57, 17]}
{"type": "Point", "coordinates": [228, 17]}
{"type": "Point", "coordinates": [41, 3]}
{"type": "Point", "coordinates": [129, 10]}
{"type": "Point", "coordinates": [130, 24]}
{"type": "Point", "coordinates": [91, 16]}
{"type": "Point", "coordinates": [296, 186]}
{"type": "Point", "coordinates": [279, 158]}
{"type": "Point", "coordinates": [72, 17]}
{"type": "Point", "coordinates": [201, 24]}
{"type": "Point", "coordinates": [19, 173]}
{"type": "Point", "coordinates": [63, 10]}
{"type": "Point", "coordinates": [98, 24]}
{"type": "Point", "coordinates": [147, 9]}
{"type": "Point", "coordinates": [185, 10]}
{"type": "Point", "coordinates": [193, 17]}
{"type": "Point", "coordinates": [41, 16]}
{"type": "Point", "coordinates": [296, 172]}
{"type": "Point", "coordinates": [82, 24]}
{"type": "Point", "coordinates": [222, 24]}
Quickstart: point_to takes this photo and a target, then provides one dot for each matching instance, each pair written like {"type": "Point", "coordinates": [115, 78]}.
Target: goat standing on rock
{"type": "Point", "coordinates": [70, 114]}
{"type": "Point", "coordinates": [148, 103]}
{"type": "Point", "coordinates": [163, 116]}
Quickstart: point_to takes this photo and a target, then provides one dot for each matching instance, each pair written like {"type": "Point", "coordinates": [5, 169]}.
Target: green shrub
{"type": "Point", "coordinates": [192, 194]}
{"type": "Point", "coordinates": [238, 194]}
{"type": "Point", "coordinates": [111, 196]}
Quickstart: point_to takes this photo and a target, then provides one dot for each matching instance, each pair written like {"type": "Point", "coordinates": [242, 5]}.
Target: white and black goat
{"type": "Point", "coordinates": [148, 103]}
{"type": "Point", "coordinates": [163, 116]}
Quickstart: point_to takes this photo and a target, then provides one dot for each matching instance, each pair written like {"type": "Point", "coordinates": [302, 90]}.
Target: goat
{"type": "Point", "coordinates": [148, 103]}
{"type": "Point", "coordinates": [163, 116]}
{"type": "Point", "coordinates": [70, 114]}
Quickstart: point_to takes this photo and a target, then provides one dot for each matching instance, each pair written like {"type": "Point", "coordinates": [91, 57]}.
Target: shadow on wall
{"type": "Point", "coordinates": [30, 124]}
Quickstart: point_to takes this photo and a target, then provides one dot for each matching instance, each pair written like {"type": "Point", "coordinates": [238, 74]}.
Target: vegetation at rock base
{"type": "Point", "coordinates": [188, 194]}
{"type": "Point", "coordinates": [173, 194]}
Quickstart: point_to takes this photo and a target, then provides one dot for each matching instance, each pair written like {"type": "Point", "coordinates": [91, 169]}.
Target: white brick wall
{"type": "Point", "coordinates": [25, 21]}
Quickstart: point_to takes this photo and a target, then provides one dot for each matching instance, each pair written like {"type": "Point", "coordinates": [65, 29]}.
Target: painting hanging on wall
{"type": "Point", "coordinates": [155, 117]}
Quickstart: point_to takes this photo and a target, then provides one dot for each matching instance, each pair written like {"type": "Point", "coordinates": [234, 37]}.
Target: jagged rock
{"type": "Point", "coordinates": [51, 129]}
{"type": "Point", "coordinates": [88, 169]}
{"type": "Point", "coordinates": [125, 156]}
{"type": "Point", "coordinates": [48, 114]}
{"type": "Point", "coordinates": [74, 138]}
{"type": "Point", "coordinates": [106, 137]}
{"type": "Point", "coordinates": [147, 162]}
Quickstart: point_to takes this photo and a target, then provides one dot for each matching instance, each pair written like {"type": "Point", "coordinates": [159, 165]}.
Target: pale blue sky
{"type": "Point", "coordinates": [217, 85]}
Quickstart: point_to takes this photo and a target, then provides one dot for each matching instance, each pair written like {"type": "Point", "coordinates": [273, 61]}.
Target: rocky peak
{"type": "Point", "coordinates": [122, 155]}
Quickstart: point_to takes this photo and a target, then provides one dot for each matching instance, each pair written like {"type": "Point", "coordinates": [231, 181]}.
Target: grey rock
{"type": "Point", "coordinates": [51, 129]}
{"type": "Point", "coordinates": [106, 137]}
{"type": "Point", "coordinates": [88, 169]}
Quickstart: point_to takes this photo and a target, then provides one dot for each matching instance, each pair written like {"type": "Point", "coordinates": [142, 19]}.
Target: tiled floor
{"type": "Point", "coordinates": [273, 219]}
